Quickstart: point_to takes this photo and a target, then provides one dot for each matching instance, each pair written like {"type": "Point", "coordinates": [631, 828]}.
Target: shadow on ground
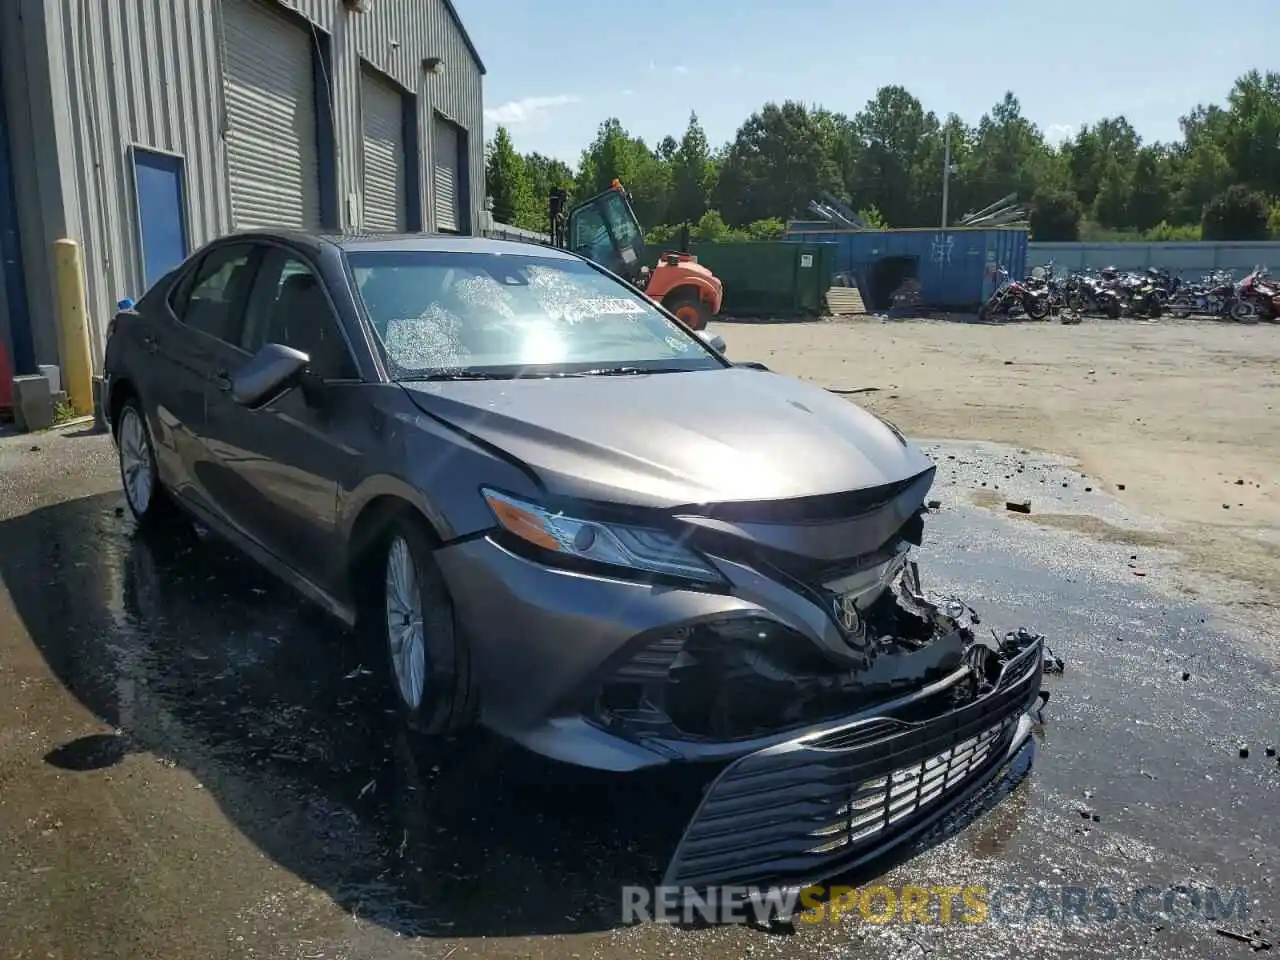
{"type": "Point", "coordinates": [199, 658]}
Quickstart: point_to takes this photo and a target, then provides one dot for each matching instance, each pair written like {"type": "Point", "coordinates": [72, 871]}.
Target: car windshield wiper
{"type": "Point", "coordinates": [622, 371]}
{"type": "Point", "coordinates": [459, 375]}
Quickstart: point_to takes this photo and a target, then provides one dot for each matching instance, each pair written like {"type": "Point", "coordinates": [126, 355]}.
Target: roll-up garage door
{"type": "Point", "coordinates": [447, 181]}
{"type": "Point", "coordinates": [272, 156]}
{"type": "Point", "coordinates": [382, 107]}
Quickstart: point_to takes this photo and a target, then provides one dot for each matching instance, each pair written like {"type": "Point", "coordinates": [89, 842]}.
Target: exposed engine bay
{"type": "Point", "coordinates": [752, 676]}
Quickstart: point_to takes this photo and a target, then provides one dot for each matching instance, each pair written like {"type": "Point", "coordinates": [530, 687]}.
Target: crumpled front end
{"type": "Point", "coordinates": [840, 794]}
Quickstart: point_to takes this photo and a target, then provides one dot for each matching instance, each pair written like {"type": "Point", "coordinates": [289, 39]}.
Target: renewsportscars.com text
{"type": "Point", "coordinates": [973, 904]}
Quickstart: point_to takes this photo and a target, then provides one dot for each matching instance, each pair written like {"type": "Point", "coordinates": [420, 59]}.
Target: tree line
{"type": "Point", "coordinates": [1220, 181]}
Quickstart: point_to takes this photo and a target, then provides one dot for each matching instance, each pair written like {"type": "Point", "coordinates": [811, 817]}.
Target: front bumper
{"type": "Point", "coordinates": [835, 797]}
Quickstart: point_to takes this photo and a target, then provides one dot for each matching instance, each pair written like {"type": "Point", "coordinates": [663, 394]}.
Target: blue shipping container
{"type": "Point", "coordinates": [957, 268]}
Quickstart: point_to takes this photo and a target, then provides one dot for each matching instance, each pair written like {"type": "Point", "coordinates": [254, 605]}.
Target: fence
{"type": "Point", "coordinates": [505, 231]}
{"type": "Point", "coordinates": [1189, 259]}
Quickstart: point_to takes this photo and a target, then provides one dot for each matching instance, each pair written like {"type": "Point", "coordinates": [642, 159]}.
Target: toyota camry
{"type": "Point", "coordinates": [561, 514]}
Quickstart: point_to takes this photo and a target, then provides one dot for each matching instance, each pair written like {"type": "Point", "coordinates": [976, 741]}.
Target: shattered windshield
{"type": "Point", "coordinates": [443, 313]}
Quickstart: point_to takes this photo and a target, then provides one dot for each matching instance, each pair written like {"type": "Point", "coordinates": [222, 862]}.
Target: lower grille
{"type": "Point", "coordinates": [806, 808]}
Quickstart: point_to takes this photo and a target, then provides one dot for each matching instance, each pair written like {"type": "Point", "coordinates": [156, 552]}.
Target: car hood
{"type": "Point", "coordinates": [665, 440]}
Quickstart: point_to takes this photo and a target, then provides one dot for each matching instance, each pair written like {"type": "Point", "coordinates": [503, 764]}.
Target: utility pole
{"type": "Point", "coordinates": [946, 177]}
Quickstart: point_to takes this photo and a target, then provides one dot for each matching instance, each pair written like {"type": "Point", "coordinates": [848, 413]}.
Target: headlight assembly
{"type": "Point", "coordinates": [613, 544]}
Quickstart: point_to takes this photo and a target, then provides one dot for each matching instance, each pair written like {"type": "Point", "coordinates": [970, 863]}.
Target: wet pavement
{"type": "Point", "coordinates": [194, 763]}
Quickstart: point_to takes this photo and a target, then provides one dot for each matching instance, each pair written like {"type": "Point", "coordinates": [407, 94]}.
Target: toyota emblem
{"type": "Point", "coordinates": [846, 611]}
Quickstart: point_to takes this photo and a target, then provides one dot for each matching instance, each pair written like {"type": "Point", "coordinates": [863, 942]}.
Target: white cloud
{"type": "Point", "coordinates": [1059, 132]}
{"type": "Point", "coordinates": [682, 69]}
{"type": "Point", "coordinates": [528, 109]}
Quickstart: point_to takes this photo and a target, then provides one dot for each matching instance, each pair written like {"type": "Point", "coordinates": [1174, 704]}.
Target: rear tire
{"type": "Point", "coordinates": [1242, 311]}
{"type": "Point", "coordinates": [688, 308]}
{"type": "Point", "coordinates": [1115, 310]}
{"type": "Point", "coordinates": [407, 607]}
{"type": "Point", "coordinates": [139, 475]}
{"type": "Point", "coordinates": [1180, 307]}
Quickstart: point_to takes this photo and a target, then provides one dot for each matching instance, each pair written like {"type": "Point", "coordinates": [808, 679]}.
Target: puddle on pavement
{"type": "Point", "coordinates": [200, 660]}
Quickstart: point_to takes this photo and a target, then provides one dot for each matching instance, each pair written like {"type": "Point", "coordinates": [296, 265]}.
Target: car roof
{"type": "Point", "coordinates": [408, 242]}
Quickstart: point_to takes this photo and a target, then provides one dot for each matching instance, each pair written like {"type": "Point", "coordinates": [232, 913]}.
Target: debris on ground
{"type": "Point", "coordinates": [1119, 486]}
{"type": "Point", "coordinates": [1271, 751]}
{"type": "Point", "coordinates": [934, 504]}
{"type": "Point", "coordinates": [1252, 939]}
{"type": "Point", "coordinates": [1185, 676]}
{"type": "Point", "coordinates": [1018, 506]}
{"type": "Point", "coordinates": [1244, 751]}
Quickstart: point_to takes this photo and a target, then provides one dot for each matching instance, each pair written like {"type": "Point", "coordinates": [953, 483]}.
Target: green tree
{"type": "Point", "coordinates": [545, 175]}
{"type": "Point", "coordinates": [692, 174]}
{"type": "Point", "coordinates": [1110, 206]}
{"type": "Point", "coordinates": [1251, 138]}
{"type": "Point", "coordinates": [898, 158]}
{"type": "Point", "coordinates": [872, 218]}
{"type": "Point", "coordinates": [616, 155]}
{"type": "Point", "coordinates": [775, 166]}
{"type": "Point", "coordinates": [1149, 196]}
{"type": "Point", "coordinates": [1055, 215]}
{"type": "Point", "coordinates": [507, 181]}
{"type": "Point", "coordinates": [1009, 155]}
{"type": "Point", "coordinates": [1239, 213]}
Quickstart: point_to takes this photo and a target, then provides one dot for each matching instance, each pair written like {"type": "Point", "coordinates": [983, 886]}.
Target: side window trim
{"type": "Point", "coordinates": [181, 289]}
{"type": "Point", "coordinates": [271, 248]}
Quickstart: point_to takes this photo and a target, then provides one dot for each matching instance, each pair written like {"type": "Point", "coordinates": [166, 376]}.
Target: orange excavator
{"type": "Point", "coordinates": [605, 230]}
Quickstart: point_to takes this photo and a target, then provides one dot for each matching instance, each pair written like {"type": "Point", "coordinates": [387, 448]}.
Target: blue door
{"type": "Point", "coordinates": [162, 221]}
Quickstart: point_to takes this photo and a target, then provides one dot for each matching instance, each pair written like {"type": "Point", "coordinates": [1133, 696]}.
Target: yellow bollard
{"type": "Point", "coordinates": [73, 326]}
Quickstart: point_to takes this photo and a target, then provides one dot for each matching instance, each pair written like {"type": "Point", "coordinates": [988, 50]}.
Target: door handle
{"type": "Point", "coordinates": [150, 343]}
{"type": "Point", "coordinates": [222, 381]}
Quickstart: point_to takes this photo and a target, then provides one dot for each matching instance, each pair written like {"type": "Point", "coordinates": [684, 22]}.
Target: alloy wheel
{"type": "Point", "coordinates": [405, 631]}
{"type": "Point", "coordinates": [136, 467]}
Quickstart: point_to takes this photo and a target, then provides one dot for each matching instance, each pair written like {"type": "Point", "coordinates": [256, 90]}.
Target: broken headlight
{"type": "Point", "coordinates": [611, 544]}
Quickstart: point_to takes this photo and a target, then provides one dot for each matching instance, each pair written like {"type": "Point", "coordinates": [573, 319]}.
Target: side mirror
{"type": "Point", "coordinates": [267, 374]}
{"type": "Point", "coordinates": [712, 340]}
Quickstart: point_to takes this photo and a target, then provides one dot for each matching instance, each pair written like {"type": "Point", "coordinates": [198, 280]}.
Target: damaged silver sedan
{"type": "Point", "coordinates": [561, 514]}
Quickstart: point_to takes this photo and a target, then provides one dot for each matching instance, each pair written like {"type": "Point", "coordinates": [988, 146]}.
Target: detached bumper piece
{"type": "Point", "coordinates": [805, 810]}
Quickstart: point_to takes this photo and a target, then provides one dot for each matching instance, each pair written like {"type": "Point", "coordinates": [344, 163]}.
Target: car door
{"type": "Point", "coordinates": [287, 458]}
{"type": "Point", "coordinates": [184, 341]}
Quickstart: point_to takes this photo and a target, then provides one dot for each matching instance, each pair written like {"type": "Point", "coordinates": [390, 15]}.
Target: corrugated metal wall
{"type": "Point", "coordinates": [395, 38]}
{"type": "Point", "coordinates": [141, 72]}
{"type": "Point", "coordinates": [148, 72]}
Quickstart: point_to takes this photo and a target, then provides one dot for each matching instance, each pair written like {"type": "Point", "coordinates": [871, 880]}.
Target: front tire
{"type": "Point", "coordinates": [139, 475]}
{"type": "Point", "coordinates": [688, 308]}
{"type": "Point", "coordinates": [428, 663]}
{"type": "Point", "coordinates": [1037, 308]}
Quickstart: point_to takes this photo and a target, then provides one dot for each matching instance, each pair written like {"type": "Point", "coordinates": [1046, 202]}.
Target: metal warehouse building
{"type": "Point", "coordinates": [143, 128]}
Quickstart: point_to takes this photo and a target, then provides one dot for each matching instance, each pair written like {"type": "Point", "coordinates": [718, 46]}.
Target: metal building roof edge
{"type": "Point", "coordinates": [466, 37]}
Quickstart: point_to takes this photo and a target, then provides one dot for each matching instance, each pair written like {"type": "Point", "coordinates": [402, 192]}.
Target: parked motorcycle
{"type": "Point", "coordinates": [1214, 296]}
{"type": "Point", "coordinates": [1259, 291]}
{"type": "Point", "coordinates": [1013, 296]}
{"type": "Point", "coordinates": [1087, 294]}
{"type": "Point", "coordinates": [1143, 296]}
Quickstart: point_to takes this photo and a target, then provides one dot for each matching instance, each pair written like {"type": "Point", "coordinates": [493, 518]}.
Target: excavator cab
{"type": "Point", "coordinates": [605, 229]}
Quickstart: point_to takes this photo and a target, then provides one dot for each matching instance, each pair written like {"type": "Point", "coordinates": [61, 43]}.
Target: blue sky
{"type": "Point", "coordinates": [556, 69]}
